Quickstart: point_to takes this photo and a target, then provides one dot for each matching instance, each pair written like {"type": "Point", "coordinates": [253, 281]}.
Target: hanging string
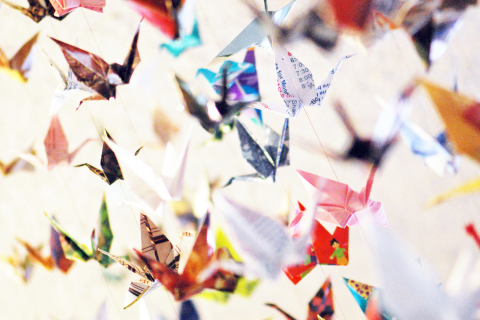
{"type": "Point", "coordinates": [171, 302]}
{"type": "Point", "coordinates": [119, 96]}
{"type": "Point", "coordinates": [321, 145]}
{"type": "Point", "coordinates": [320, 265]}
{"type": "Point", "coordinates": [93, 121]}
{"type": "Point", "coordinates": [133, 128]}
{"type": "Point", "coordinates": [288, 196]}
{"type": "Point", "coordinates": [69, 196]}
{"type": "Point", "coordinates": [75, 207]}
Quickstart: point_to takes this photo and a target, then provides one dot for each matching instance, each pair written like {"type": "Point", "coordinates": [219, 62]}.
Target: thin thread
{"type": "Point", "coordinates": [71, 198]}
{"type": "Point", "coordinates": [38, 121]}
{"type": "Point", "coordinates": [285, 189]}
{"type": "Point", "coordinates": [93, 121]}
{"type": "Point", "coordinates": [91, 31]}
{"type": "Point", "coordinates": [121, 102]}
{"type": "Point", "coordinates": [333, 294]}
{"type": "Point", "coordinates": [333, 170]}
{"type": "Point", "coordinates": [399, 49]}
{"type": "Point", "coordinates": [326, 155]}
{"type": "Point", "coordinates": [133, 214]}
{"type": "Point", "coordinates": [124, 109]}
{"type": "Point", "coordinates": [171, 302]}
{"type": "Point", "coordinates": [282, 182]}
{"type": "Point", "coordinates": [207, 21]}
{"type": "Point", "coordinates": [71, 201]}
{"type": "Point", "coordinates": [119, 96]}
{"type": "Point", "coordinates": [290, 200]}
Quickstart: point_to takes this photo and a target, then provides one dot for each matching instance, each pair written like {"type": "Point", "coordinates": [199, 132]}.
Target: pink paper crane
{"type": "Point", "coordinates": [56, 145]}
{"type": "Point", "coordinates": [62, 7]}
{"type": "Point", "coordinates": [340, 205]}
{"type": "Point", "coordinates": [56, 148]}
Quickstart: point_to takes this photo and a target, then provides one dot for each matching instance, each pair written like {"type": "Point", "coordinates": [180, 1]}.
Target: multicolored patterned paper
{"type": "Point", "coordinates": [320, 307]}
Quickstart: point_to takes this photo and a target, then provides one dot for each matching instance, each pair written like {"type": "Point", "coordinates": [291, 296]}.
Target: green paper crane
{"type": "Point", "coordinates": [101, 238]}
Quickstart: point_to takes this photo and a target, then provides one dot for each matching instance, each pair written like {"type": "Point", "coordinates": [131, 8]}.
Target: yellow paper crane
{"type": "Point", "coordinates": [469, 187]}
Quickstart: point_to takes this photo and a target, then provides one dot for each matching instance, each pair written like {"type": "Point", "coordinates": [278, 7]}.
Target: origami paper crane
{"type": "Point", "coordinates": [168, 185]}
{"type": "Point", "coordinates": [57, 256]}
{"type": "Point", "coordinates": [320, 307]}
{"type": "Point", "coordinates": [172, 17]}
{"type": "Point", "coordinates": [461, 116]}
{"type": "Point", "coordinates": [400, 272]}
{"type": "Point", "coordinates": [436, 152]}
{"type": "Point", "coordinates": [96, 74]}
{"type": "Point", "coordinates": [324, 247]}
{"type": "Point", "coordinates": [244, 288]}
{"type": "Point", "coordinates": [188, 40]}
{"type": "Point", "coordinates": [56, 147]}
{"type": "Point", "coordinates": [186, 27]}
{"type": "Point", "coordinates": [22, 267]}
{"type": "Point", "coordinates": [56, 259]}
{"type": "Point", "coordinates": [254, 35]}
{"type": "Point", "coordinates": [109, 163]}
{"type": "Point", "coordinates": [101, 238]}
{"type": "Point", "coordinates": [242, 79]}
{"type": "Point", "coordinates": [20, 65]}
{"type": "Point", "coordinates": [203, 269]}
{"type": "Point", "coordinates": [464, 189]}
{"type": "Point", "coordinates": [440, 21]}
{"type": "Point", "coordinates": [366, 297]}
{"type": "Point", "coordinates": [155, 245]}
{"type": "Point", "coordinates": [340, 205]}
{"type": "Point", "coordinates": [63, 7]}
{"type": "Point", "coordinates": [216, 117]}
{"type": "Point", "coordinates": [431, 24]}
{"type": "Point", "coordinates": [18, 163]}
{"type": "Point", "coordinates": [262, 242]}
{"type": "Point", "coordinates": [370, 150]}
{"type": "Point", "coordinates": [310, 25]}
{"type": "Point", "coordinates": [267, 158]}
{"type": "Point", "coordinates": [296, 85]}
{"type": "Point", "coordinates": [68, 87]}
{"type": "Point", "coordinates": [37, 9]}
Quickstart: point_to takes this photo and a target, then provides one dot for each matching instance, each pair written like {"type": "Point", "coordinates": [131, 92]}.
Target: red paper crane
{"type": "Point", "coordinates": [201, 270]}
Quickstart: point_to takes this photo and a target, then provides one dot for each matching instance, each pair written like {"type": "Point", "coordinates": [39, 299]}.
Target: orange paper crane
{"type": "Point", "coordinates": [56, 258]}
{"type": "Point", "coordinates": [202, 270]}
{"type": "Point", "coordinates": [461, 116]}
{"type": "Point", "coordinates": [19, 66]}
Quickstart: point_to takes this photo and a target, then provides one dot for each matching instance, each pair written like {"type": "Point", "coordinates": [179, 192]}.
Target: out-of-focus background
{"type": "Point", "coordinates": [403, 184]}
